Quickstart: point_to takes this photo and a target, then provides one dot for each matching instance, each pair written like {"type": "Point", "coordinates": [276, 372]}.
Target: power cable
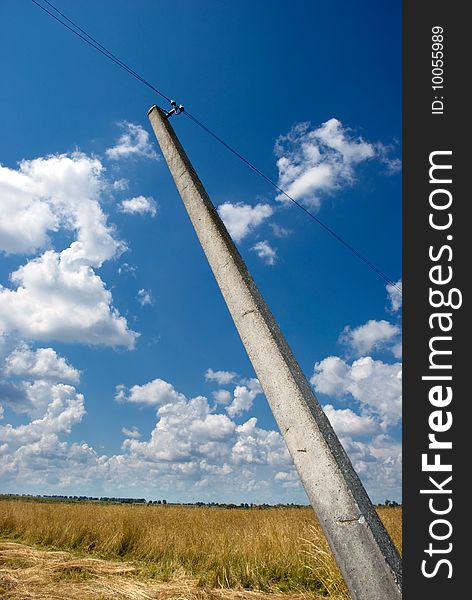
{"type": "Point", "coordinates": [92, 42]}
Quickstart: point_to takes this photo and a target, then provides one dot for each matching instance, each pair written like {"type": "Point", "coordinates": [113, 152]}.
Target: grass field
{"type": "Point", "coordinates": [270, 550]}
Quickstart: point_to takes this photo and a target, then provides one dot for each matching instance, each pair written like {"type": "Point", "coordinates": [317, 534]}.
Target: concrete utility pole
{"type": "Point", "coordinates": [363, 549]}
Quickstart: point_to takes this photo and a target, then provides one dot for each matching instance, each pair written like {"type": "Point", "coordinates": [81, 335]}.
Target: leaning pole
{"type": "Point", "coordinates": [363, 550]}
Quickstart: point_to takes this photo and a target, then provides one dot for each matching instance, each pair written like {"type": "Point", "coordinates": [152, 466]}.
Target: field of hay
{"type": "Point", "coordinates": [269, 550]}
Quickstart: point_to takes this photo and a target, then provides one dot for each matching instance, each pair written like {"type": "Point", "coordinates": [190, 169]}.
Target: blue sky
{"type": "Point", "coordinates": [121, 371]}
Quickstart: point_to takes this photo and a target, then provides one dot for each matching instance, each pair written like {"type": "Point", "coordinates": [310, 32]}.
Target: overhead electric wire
{"type": "Point", "coordinates": [95, 44]}
{"type": "Point", "coordinates": [103, 50]}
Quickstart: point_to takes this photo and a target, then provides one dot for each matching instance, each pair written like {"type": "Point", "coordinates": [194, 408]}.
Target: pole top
{"type": "Point", "coordinates": [176, 110]}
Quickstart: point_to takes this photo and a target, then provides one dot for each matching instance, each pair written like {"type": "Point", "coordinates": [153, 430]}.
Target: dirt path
{"type": "Point", "coordinates": [27, 573]}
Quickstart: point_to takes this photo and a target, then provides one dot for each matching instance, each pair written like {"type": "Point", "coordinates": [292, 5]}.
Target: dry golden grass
{"type": "Point", "coordinates": [270, 550]}
{"type": "Point", "coordinates": [28, 573]}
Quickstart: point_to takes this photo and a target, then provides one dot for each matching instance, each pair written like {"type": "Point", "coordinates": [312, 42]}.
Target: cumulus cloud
{"type": "Point", "coordinates": [57, 298]}
{"type": "Point", "coordinates": [313, 162]}
{"type": "Point", "coordinates": [192, 451]}
{"type": "Point", "coordinates": [330, 376]}
{"type": "Point", "coordinates": [65, 409]}
{"type": "Point", "coordinates": [378, 463]}
{"type": "Point", "coordinates": [265, 252]}
{"type": "Point", "coordinates": [30, 376]}
{"type": "Point", "coordinates": [242, 219]}
{"type": "Point", "coordinates": [139, 205]}
{"type": "Point", "coordinates": [58, 295]}
{"type": "Point", "coordinates": [189, 430]}
{"type": "Point", "coordinates": [133, 142]}
{"type": "Point", "coordinates": [156, 392]}
{"type": "Point", "coordinates": [259, 446]}
{"type": "Point", "coordinates": [26, 218]}
{"type": "Point", "coordinates": [221, 377]}
{"type": "Point", "coordinates": [346, 422]}
{"type": "Point", "coordinates": [375, 384]}
{"type": "Point", "coordinates": [285, 476]}
{"type": "Point", "coordinates": [58, 191]}
{"type": "Point", "coordinates": [372, 335]}
{"type": "Point", "coordinates": [222, 397]}
{"type": "Point", "coordinates": [243, 398]}
{"type": "Point", "coordinates": [43, 363]}
{"type": "Point", "coordinates": [186, 430]}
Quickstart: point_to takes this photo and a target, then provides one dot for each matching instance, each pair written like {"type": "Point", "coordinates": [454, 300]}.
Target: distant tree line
{"type": "Point", "coordinates": [119, 500]}
{"type": "Point", "coordinates": [390, 503]}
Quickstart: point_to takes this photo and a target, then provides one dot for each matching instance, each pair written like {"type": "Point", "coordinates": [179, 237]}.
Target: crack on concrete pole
{"type": "Point", "coordinates": [353, 520]}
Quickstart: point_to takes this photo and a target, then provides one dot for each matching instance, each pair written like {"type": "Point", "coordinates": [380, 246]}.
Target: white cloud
{"type": "Point", "coordinates": [242, 219]}
{"type": "Point", "coordinates": [395, 295]}
{"type": "Point", "coordinates": [32, 451]}
{"type": "Point", "coordinates": [156, 392]}
{"type": "Point", "coordinates": [221, 377]}
{"type": "Point", "coordinates": [120, 393]}
{"type": "Point", "coordinates": [372, 335]}
{"type": "Point", "coordinates": [346, 422]}
{"type": "Point", "coordinates": [243, 398]}
{"type": "Point", "coordinates": [43, 363]}
{"type": "Point", "coordinates": [65, 409]}
{"type": "Point", "coordinates": [378, 463]}
{"type": "Point", "coordinates": [259, 446]}
{"type": "Point", "coordinates": [72, 185]}
{"type": "Point", "coordinates": [26, 218]}
{"type": "Point", "coordinates": [120, 185]}
{"type": "Point", "coordinates": [330, 376]}
{"type": "Point", "coordinates": [397, 350]}
{"type": "Point", "coordinates": [139, 205]}
{"type": "Point", "coordinates": [265, 252]}
{"type": "Point", "coordinates": [191, 452]}
{"type": "Point", "coordinates": [222, 397]}
{"type": "Point", "coordinates": [145, 297]}
{"type": "Point", "coordinates": [131, 433]}
{"type": "Point", "coordinates": [189, 430]}
{"type": "Point", "coordinates": [58, 295]}
{"type": "Point", "coordinates": [285, 476]}
{"type": "Point", "coordinates": [58, 298]}
{"type": "Point", "coordinates": [288, 479]}
{"type": "Point", "coordinates": [59, 191]}
{"type": "Point", "coordinates": [133, 142]}
{"type": "Point", "coordinates": [313, 162]}
{"type": "Point", "coordinates": [186, 430]}
{"type": "Point", "coordinates": [375, 384]}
